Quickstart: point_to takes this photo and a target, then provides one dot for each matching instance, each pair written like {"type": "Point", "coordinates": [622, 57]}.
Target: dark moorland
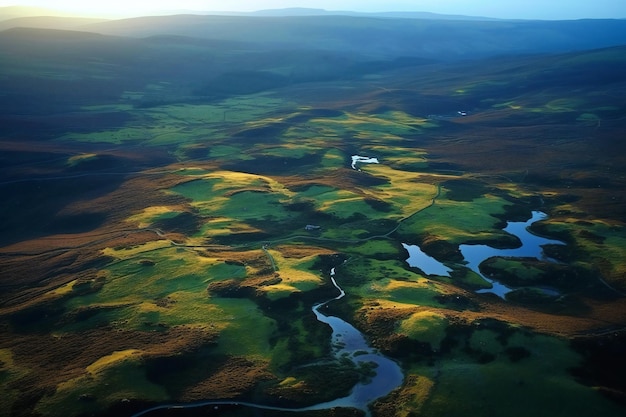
{"type": "Point", "coordinates": [178, 191]}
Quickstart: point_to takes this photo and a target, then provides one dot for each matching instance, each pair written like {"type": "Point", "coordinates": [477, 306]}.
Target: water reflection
{"type": "Point", "coordinates": [350, 343]}
{"type": "Point", "coordinates": [428, 265]}
{"type": "Point", "coordinates": [532, 247]}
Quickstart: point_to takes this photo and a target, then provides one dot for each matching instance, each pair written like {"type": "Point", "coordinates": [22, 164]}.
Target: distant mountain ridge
{"type": "Point", "coordinates": [374, 37]}
{"type": "Point", "coordinates": [302, 11]}
{"type": "Point", "coordinates": [378, 37]}
{"type": "Point", "coordinates": [12, 12]}
{"type": "Point", "coordinates": [48, 22]}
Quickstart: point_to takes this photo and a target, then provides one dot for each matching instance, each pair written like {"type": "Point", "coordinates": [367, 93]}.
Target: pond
{"type": "Point", "coordinates": [532, 247]}
{"type": "Point", "coordinates": [356, 159]}
{"type": "Point", "coordinates": [428, 264]}
{"type": "Point", "coordinates": [474, 255]}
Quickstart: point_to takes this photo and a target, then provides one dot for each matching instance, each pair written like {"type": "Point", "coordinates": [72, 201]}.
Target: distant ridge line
{"type": "Point", "coordinates": [12, 12]}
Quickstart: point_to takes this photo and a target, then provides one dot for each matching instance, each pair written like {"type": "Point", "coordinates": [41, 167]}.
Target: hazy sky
{"type": "Point", "coordinates": [517, 9]}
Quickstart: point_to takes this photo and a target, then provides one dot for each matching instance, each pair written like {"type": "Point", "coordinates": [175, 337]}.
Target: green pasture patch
{"type": "Point", "coordinates": [150, 271]}
{"type": "Point", "coordinates": [365, 126]}
{"type": "Point", "coordinates": [603, 242]}
{"type": "Point", "coordinates": [399, 158]}
{"type": "Point", "coordinates": [222, 182]}
{"type": "Point", "coordinates": [420, 292]}
{"type": "Point", "coordinates": [146, 249]}
{"type": "Point", "coordinates": [247, 330]}
{"type": "Point", "coordinates": [342, 204]}
{"type": "Point", "coordinates": [508, 386]}
{"type": "Point", "coordinates": [222, 226]}
{"type": "Point", "coordinates": [223, 151]}
{"type": "Point", "coordinates": [154, 135]}
{"type": "Point", "coordinates": [458, 222]}
{"type": "Point", "coordinates": [542, 376]}
{"type": "Point", "coordinates": [254, 205]}
{"type": "Point", "coordinates": [333, 158]}
{"type": "Point", "coordinates": [295, 275]}
{"type": "Point", "coordinates": [247, 108]}
{"type": "Point", "coordinates": [523, 272]}
{"type": "Point", "coordinates": [187, 114]}
{"type": "Point", "coordinates": [470, 279]}
{"type": "Point", "coordinates": [168, 137]}
{"type": "Point", "coordinates": [425, 326]}
{"type": "Point", "coordinates": [303, 133]}
{"type": "Point", "coordinates": [200, 189]}
{"type": "Point", "coordinates": [107, 381]}
{"type": "Point", "coordinates": [182, 308]}
{"type": "Point", "coordinates": [404, 195]}
{"type": "Point", "coordinates": [224, 270]}
{"type": "Point", "coordinates": [288, 151]}
{"type": "Point", "coordinates": [237, 196]}
{"type": "Point", "coordinates": [250, 107]}
{"type": "Point", "coordinates": [375, 248]}
{"type": "Point", "coordinates": [316, 191]}
{"type": "Point", "coordinates": [367, 270]}
{"type": "Point", "coordinates": [180, 123]}
{"type": "Point", "coordinates": [152, 214]}
{"type": "Point", "coordinates": [192, 172]}
{"type": "Point", "coordinates": [345, 204]}
{"type": "Point", "coordinates": [151, 287]}
{"type": "Point", "coordinates": [484, 340]}
{"type": "Point", "coordinates": [404, 190]}
{"type": "Point", "coordinates": [117, 136]}
{"type": "Point", "coordinates": [406, 119]}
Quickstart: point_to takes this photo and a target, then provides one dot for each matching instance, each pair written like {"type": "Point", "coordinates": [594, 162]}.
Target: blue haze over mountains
{"type": "Point", "coordinates": [423, 35]}
{"type": "Point", "coordinates": [199, 49]}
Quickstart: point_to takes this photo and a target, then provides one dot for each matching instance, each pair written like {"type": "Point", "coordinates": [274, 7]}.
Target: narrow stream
{"type": "Point", "coordinates": [348, 342]}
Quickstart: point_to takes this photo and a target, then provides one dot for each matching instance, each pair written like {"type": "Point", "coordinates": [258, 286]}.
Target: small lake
{"type": "Point", "coordinates": [357, 159]}
{"type": "Point", "coordinates": [532, 247]}
{"type": "Point", "coordinates": [474, 255]}
{"type": "Point", "coordinates": [428, 264]}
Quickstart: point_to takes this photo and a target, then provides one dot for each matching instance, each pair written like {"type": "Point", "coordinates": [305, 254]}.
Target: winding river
{"type": "Point", "coordinates": [347, 342]}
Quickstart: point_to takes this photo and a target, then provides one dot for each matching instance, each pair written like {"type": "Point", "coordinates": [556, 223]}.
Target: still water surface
{"type": "Point", "coordinates": [532, 247]}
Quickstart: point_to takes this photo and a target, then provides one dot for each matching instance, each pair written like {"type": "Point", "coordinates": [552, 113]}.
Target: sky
{"type": "Point", "coordinates": [510, 9]}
